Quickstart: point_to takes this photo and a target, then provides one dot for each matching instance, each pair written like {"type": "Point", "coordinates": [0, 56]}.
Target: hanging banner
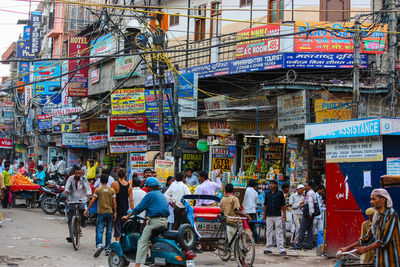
{"type": "Point", "coordinates": [338, 37]}
{"type": "Point", "coordinates": [360, 149]}
{"type": "Point", "coordinates": [127, 128]}
{"type": "Point", "coordinates": [126, 147]}
{"type": "Point", "coordinates": [164, 168]}
{"type": "Point", "coordinates": [258, 47]}
{"type": "Point", "coordinates": [74, 140]}
{"type": "Point", "coordinates": [97, 141]}
{"type": "Point", "coordinates": [6, 143]}
{"type": "Point", "coordinates": [128, 101]}
{"type": "Point", "coordinates": [190, 129]}
{"type": "Point", "coordinates": [44, 122]}
{"type": "Point", "coordinates": [332, 110]}
{"type": "Point", "coordinates": [125, 65]}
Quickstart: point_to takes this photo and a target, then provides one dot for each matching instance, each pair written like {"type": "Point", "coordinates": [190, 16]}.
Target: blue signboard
{"type": "Point", "coordinates": [152, 105]}
{"type": "Point", "coordinates": [23, 71]}
{"type": "Point", "coordinates": [342, 129]}
{"type": "Point", "coordinates": [152, 125]}
{"type": "Point", "coordinates": [27, 33]}
{"type": "Point", "coordinates": [36, 19]}
{"type": "Point", "coordinates": [273, 61]}
{"type": "Point", "coordinates": [104, 45]}
{"type": "Point", "coordinates": [323, 60]}
{"type": "Point", "coordinates": [24, 49]}
{"type": "Point", "coordinates": [44, 122]}
{"type": "Point", "coordinates": [46, 70]}
{"type": "Point", "coordinates": [49, 102]}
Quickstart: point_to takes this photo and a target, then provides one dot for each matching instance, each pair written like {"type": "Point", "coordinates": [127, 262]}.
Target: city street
{"type": "Point", "coordinates": [29, 237]}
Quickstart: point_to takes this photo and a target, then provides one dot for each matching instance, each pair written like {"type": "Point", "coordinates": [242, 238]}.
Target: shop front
{"type": "Point", "coordinates": [358, 153]}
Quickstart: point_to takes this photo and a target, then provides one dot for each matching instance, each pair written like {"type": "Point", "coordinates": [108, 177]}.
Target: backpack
{"type": "Point", "coordinates": [317, 211]}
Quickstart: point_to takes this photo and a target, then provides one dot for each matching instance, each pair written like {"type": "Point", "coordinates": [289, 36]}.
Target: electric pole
{"type": "Point", "coordinates": [392, 57]}
{"type": "Point", "coordinates": [356, 70]}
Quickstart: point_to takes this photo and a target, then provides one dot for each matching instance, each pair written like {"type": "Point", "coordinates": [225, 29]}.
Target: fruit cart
{"type": "Point", "coordinates": [22, 188]}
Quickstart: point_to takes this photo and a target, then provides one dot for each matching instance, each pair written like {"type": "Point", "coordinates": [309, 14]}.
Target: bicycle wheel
{"type": "Point", "coordinates": [76, 235]}
{"type": "Point", "coordinates": [224, 252]}
{"type": "Point", "coordinates": [245, 250]}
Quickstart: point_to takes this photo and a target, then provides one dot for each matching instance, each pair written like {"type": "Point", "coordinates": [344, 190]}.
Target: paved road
{"type": "Point", "coordinates": [31, 238]}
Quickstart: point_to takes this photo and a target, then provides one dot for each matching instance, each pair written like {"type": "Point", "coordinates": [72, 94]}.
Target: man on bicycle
{"type": "Point", "coordinates": [230, 206]}
{"type": "Point", "coordinates": [77, 192]}
{"type": "Point", "coordinates": [156, 207]}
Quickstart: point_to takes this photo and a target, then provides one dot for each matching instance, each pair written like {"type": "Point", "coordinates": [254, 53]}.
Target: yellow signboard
{"type": "Point", "coordinates": [164, 168]}
{"type": "Point", "coordinates": [128, 101]}
{"type": "Point", "coordinates": [332, 110]}
{"type": "Point", "coordinates": [190, 129]}
{"type": "Point", "coordinates": [223, 164]}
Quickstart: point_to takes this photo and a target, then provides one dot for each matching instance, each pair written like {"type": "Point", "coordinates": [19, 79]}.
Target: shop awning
{"type": "Point", "coordinates": [352, 128]}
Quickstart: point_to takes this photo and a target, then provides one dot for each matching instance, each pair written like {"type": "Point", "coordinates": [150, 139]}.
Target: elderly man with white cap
{"type": "Point", "coordinates": [296, 202]}
{"type": "Point", "coordinates": [384, 233]}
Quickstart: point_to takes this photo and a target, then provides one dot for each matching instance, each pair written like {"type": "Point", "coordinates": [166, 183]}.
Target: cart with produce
{"type": "Point", "coordinates": [22, 188]}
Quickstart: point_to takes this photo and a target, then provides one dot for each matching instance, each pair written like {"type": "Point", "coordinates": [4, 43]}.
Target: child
{"type": "Point", "coordinates": [6, 175]}
{"type": "Point", "coordinates": [105, 215]}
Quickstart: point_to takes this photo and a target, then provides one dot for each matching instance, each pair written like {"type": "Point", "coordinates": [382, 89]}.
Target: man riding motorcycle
{"type": "Point", "coordinates": [156, 207]}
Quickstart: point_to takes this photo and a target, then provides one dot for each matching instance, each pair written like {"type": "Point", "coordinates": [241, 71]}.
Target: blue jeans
{"type": "Point", "coordinates": [104, 220]}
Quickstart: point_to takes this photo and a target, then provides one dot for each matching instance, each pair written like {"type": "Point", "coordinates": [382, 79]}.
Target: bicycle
{"type": "Point", "coordinates": [242, 241]}
{"type": "Point", "coordinates": [76, 226]}
{"type": "Point", "coordinates": [350, 258]}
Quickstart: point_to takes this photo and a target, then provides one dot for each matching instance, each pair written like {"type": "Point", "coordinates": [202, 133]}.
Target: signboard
{"type": "Point", "coordinates": [74, 140]}
{"type": "Point", "coordinates": [77, 48]}
{"type": "Point", "coordinates": [44, 122]}
{"type": "Point", "coordinates": [164, 168]}
{"type": "Point", "coordinates": [323, 60]}
{"type": "Point", "coordinates": [78, 89]}
{"type": "Point", "coordinates": [360, 149]}
{"type": "Point", "coordinates": [104, 46]}
{"type": "Point", "coordinates": [126, 147]}
{"type": "Point", "coordinates": [6, 143]}
{"type": "Point", "coordinates": [190, 129]}
{"type": "Point", "coordinates": [65, 111]}
{"type": "Point", "coordinates": [340, 40]}
{"type": "Point", "coordinates": [95, 76]}
{"type": "Point", "coordinates": [187, 93]}
{"type": "Point", "coordinates": [47, 70]}
{"type": "Point", "coordinates": [223, 164]}
{"type": "Point", "coordinates": [151, 97]}
{"type": "Point", "coordinates": [153, 125]}
{"type": "Point", "coordinates": [36, 19]}
{"type": "Point", "coordinates": [27, 34]}
{"type": "Point", "coordinates": [390, 126]}
{"type": "Point", "coordinates": [292, 113]}
{"type": "Point", "coordinates": [125, 65]}
{"type": "Point", "coordinates": [23, 71]}
{"type": "Point", "coordinates": [332, 110]}
{"type": "Point", "coordinates": [50, 102]}
{"type": "Point", "coordinates": [342, 129]}
{"type": "Point", "coordinates": [393, 166]}
{"type": "Point", "coordinates": [128, 101]}
{"type": "Point", "coordinates": [127, 128]}
{"type": "Point", "coordinates": [223, 152]}
{"type": "Point", "coordinates": [259, 47]}
{"type": "Point", "coordinates": [193, 161]}
{"type": "Point", "coordinates": [97, 141]}
{"type": "Point", "coordinates": [73, 157]}
{"type": "Point", "coordinates": [138, 163]}
{"type": "Point", "coordinates": [24, 49]}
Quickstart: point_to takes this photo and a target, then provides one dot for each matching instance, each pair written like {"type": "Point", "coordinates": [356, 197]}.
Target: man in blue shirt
{"type": "Point", "coordinates": [40, 175]}
{"type": "Point", "coordinates": [156, 207]}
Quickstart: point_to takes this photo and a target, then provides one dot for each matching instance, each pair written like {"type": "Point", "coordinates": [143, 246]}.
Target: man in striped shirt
{"type": "Point", "coordinates": [384, 233]}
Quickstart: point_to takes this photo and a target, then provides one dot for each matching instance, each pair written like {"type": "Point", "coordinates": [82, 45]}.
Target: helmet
{"type": "Point", "coordinates": [151, 181]}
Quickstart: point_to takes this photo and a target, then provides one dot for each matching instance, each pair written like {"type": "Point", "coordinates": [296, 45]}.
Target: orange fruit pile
{"type": "Point", "coordinates": [19, 179]}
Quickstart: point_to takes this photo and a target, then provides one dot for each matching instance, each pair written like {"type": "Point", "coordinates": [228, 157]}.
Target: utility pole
{"type": "Point", "coordinates": [356, 70]}
{"type": "Point", "coordinates": [392, 57]}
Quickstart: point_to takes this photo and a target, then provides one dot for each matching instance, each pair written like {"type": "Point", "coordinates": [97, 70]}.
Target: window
{"type": "Point", "coordinates": [215, 24]}
{"type": "Point", "coordinates": [173, 20]}
{"type": "Point", "coordinates": [200, 24]}
{"type": "Point", "coordinates": [334, 10]}
{"type": "Point", "coordinates": [276, 10]}
{"type": "Point", "coordinates": [245, 3]}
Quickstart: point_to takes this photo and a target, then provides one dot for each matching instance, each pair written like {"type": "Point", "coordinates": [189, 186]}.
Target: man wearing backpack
{"type": "Point", "coordinates": [310, 209]}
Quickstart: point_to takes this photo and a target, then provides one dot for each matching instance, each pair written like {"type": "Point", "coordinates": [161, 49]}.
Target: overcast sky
{"type": "Point", "coordinates": [10, 12]}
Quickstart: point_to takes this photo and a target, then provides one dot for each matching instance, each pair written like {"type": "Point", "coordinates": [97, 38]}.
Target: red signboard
{"type": "Point", "coordinates": [127, 128]}
{"type": "Point", "coordinates": [326, 39]}
{"type": "Point", "coordinates": [258, 47]}
{"type": "Point", "coordinates": [77, 47]}
{"type": "Point", "coordinates": [6, 143]}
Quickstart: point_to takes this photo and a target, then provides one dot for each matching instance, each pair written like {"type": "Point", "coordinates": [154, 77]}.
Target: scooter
{"type": "Point", "coordinates": [168, 248]}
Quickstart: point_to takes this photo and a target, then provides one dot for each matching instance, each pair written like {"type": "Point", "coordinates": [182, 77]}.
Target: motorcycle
{"type": "Point", "coordinates": [52, 193]}
{"type": "Point", "coordinates": [169, 248]}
